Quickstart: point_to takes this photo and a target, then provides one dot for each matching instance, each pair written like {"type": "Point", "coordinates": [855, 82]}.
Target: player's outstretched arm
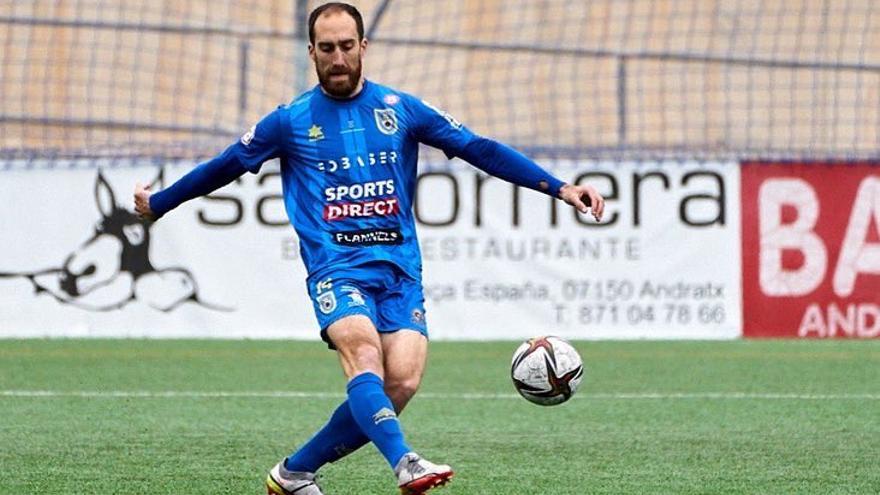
{"type": "Point", "coordinates": [439, 129]}
{"type": "Point", "coordinates": [202, 180]}
{"type": "Point", "coordinates": [506, 163]}
{"type": "Point", "coordinates": [261, 143]}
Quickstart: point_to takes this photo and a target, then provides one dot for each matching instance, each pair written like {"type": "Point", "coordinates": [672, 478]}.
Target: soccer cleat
{"type": "Point", "coordinates": [280, 481]}
{"type": "Point", "coordinates": [416, 475]}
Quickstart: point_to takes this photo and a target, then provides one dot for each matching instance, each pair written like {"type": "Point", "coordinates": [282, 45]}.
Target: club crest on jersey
{"type": "Point", "coordinates": [386, 120]}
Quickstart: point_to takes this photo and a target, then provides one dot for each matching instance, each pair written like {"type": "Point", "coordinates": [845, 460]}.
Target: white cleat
{"type": "Point", "coordinates": [280, 481]}
{"type": "Point", "coordinates": [416, 475]}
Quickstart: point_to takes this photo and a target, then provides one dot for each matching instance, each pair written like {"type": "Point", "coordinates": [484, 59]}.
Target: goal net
{"type": "Point", "coordinates": [180, 79]}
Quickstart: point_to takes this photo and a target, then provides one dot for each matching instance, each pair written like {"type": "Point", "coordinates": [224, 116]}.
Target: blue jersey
{"type": "Point", "coordinates": [349, 171]}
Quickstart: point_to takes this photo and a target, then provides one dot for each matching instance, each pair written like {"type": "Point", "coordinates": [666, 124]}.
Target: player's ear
{"type": "Point", "coordinates": [364, 43]}
{"type": "Point", "coordinates": [312, 52]}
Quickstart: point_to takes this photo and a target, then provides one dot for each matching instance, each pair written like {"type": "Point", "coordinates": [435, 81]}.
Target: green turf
{"type": "Point", "coordinates": [608, 439]}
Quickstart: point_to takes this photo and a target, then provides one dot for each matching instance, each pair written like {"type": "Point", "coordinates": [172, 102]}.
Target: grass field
{"type": "Point", "coordinates": [210, 417]}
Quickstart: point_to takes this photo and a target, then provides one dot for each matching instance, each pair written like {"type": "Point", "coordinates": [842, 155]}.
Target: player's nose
{"type": "Point", "coordinates": [338, 58]}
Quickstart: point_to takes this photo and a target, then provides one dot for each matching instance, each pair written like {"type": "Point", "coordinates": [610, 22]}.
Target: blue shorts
{"type": "Point", "coordinates": [382, 292]}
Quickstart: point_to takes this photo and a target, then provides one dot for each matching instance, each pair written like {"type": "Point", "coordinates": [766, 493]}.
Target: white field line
{"type": "Point", "coordinates": [281, 394]}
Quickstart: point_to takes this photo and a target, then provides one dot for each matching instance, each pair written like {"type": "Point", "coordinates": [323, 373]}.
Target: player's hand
{"type": "Point", "coordinates": [585, 198]}
{"type": "Point", "coordinates": [142, 202]}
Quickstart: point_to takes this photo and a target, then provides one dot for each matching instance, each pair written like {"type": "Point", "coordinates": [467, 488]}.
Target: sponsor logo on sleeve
{"type": "Point", "coordinates": [249, 135]}
{"type": "Point", "coordinates": [368, 237]}
{"type": "Point", "coordinates": [449, 118]}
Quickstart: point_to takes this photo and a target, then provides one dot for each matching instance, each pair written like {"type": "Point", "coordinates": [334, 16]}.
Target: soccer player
{"type": "Point", "coordinates": [349, 151]}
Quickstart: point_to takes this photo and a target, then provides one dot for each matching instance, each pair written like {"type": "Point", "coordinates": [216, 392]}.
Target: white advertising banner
{"type": "Point", "coordinates": [499, 263]}
{"type": "Point", "coordinates": [664, 263]}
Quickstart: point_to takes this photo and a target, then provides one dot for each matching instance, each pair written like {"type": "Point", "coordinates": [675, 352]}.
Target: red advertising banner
{"type": "Point", "coordinates": [811, 250]}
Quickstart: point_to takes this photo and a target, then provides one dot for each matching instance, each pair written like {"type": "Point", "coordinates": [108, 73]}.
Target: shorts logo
{"type": "Point", "coordinates": [368, 237]}
{"type": "Point", "coordinates": [327, 302]}
{"type": "Point", "coordinates": [418, 316]}
{"type": "Point", "coordinates": [386, 120]}
{"type": "Point", "coordinates": [384, 414]}
{"type": "Point", "coordinates": [357, 298]}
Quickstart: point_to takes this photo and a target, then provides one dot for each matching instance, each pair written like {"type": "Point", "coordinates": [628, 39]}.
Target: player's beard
{"type": "Point", "coordinates": [340, 89]}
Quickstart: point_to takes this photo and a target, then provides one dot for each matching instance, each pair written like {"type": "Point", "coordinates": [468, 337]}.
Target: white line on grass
{"type": "Point", "coordinates": [282, 394]}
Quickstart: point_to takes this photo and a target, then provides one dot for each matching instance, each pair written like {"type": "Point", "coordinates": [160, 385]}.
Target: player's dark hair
{"type": "Point", "coordinates": [336, 7]}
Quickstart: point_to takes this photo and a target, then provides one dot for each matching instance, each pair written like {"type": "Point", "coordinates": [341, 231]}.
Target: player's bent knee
{"type": "Point", "coordinates": [401, 391]}
{"type": "Point", "coordinates": [405, 388]}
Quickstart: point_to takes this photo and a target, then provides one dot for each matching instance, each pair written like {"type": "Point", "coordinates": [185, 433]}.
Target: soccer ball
{"type": "Point", "coordinates": [546, 370]}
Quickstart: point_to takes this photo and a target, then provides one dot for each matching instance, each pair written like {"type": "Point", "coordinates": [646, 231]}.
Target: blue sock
{"type": "Point", "coordinates": [373, 412]}
{"type": "Point", "coordinates": [338, 438]}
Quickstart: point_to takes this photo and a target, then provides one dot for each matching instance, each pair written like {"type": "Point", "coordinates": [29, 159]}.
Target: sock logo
{"type": "Point", "coordinates": [384, 414]}
{"type": "Point", "coordinates": [343, 450]}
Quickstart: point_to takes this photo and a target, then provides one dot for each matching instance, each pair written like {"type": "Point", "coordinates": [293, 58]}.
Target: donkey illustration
{"type": "Point", "coordinates": [112, 268]}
